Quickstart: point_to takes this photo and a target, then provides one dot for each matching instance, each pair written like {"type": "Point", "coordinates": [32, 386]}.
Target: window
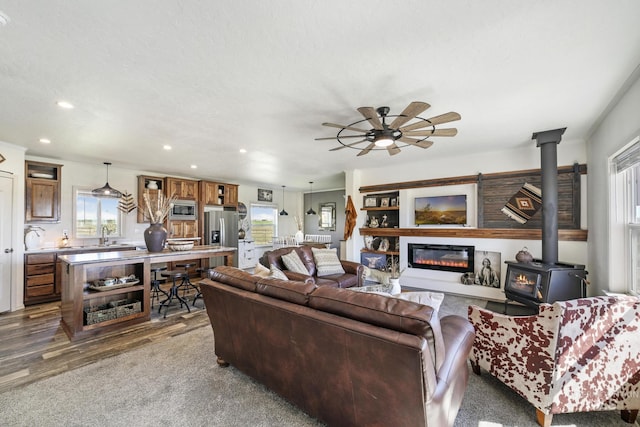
{"type": "Point", "coordinates": [92, 213]}
{"type": "Point", "coordinates": [264, 223]}
{"type": "Point", "coordinates": [625, 219]}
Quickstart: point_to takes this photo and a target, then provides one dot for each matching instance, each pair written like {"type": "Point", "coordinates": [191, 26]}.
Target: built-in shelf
{"type": "Point", "coordinates": [482, 233]}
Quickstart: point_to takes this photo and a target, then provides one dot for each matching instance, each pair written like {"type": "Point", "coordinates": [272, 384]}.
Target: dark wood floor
{"type": "Point", "coordinates": [33, 345]}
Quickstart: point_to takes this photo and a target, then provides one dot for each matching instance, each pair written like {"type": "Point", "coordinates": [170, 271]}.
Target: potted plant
{"type": "Point", "coordinates": [394, 274]}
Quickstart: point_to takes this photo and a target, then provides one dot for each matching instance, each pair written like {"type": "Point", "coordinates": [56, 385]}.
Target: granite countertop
{"type": "Point", "coordinates": [165, 255]}
{"type": "Point", "coordinates": [87, 248]}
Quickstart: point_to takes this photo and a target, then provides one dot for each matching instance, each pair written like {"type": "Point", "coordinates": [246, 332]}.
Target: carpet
{"type": "Point", "coordinates": [176, 382]}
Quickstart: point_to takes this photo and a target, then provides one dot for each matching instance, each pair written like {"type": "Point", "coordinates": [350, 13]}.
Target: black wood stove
{"type": "Point", "coordinates": [546, 280]}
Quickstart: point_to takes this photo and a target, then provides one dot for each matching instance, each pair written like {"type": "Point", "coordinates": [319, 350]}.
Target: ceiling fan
{"type": "Point", "coordinates": [383, 136]}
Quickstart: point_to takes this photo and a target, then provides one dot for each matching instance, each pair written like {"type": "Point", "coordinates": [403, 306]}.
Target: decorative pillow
{"type": "Point", "coordinates": [327, 262]}
{"type": "Point", "coordinates": [293, 263]}
{"type": "Point", "coordinates": [261, 271]}
{"type": "Point", "coordinates": [276, 273]}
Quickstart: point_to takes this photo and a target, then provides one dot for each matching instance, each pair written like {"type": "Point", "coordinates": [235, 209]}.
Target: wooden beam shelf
{"type": "Point", "coordinates": [482, 233]}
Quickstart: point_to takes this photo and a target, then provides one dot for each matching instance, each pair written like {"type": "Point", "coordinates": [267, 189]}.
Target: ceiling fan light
{"type": "Point", "coordinates": [384, 141]}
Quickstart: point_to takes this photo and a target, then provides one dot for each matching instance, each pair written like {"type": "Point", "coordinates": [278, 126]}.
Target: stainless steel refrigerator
{"type": "Point", "coordinates": [221, 228]}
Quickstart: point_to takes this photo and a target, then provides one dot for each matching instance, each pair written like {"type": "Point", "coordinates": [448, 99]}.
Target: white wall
{"type": "Point", "coordinates": [619, 127]}
{"type": "Point", "coordinates": [569, 152]}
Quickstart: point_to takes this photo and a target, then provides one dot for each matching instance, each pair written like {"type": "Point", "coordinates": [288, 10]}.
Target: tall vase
{"type": "Point", "coordinates": [155, 237]}
{"type": "Point", "coordinates": [299, 236]}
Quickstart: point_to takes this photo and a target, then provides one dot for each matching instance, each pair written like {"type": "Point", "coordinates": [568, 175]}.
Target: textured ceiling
{"type": "Point", "coordinates": [211, 77]}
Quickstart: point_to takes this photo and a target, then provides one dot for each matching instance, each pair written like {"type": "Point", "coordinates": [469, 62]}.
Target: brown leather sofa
{"type": "Point", "coordinates": [353, 272]}
{"type": "Point", "coordinates": [345, 358]}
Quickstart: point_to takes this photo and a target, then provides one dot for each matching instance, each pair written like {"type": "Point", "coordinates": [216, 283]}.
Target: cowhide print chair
{"type": "Point", "coordinates": [573, 356]}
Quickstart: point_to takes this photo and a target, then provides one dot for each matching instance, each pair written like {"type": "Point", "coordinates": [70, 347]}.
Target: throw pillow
{"type": "Point", "coordinates": [276, 273]}
{"type": "Point", "coordinates": [261, 271]}
{"type": "Point", "coordinates": [327, 262]}
{"type": "Point", "coordinates": [293, 263]}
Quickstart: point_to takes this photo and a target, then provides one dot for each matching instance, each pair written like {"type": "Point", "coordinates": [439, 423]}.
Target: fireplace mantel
{"type": "Point", "coordinates": [482, 233]}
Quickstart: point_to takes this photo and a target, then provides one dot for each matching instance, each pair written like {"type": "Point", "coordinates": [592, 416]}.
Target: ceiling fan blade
{"type": "Point", "coordinates": [333, 125]}
{"type": "Point", "coordinates": [443, 118]}
{"type": "Point", "coordinates": [370, 114]}
{"type": "Point", "coordinates": [347, 145]}
{"type": "Point", "coordinates": [409, 113]}
{"type": "Point", "coordinates": [367, 149]}
{"type": "Point", "coordinates": [432, 132]}
{"type": "Point", "coordinates": [336, 137]}
{"type": "Point", "coordinates": [393, 149]}
{"type": "Point", "coordinates": [416, 142]}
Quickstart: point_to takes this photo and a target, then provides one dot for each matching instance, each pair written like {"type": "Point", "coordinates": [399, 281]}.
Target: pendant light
{"type": "Point", "coordinates": [311, 211]}
{"type": "Point", "coordinates": [106, 190]}
{"type": "Point", "coordinates": [283, 212]}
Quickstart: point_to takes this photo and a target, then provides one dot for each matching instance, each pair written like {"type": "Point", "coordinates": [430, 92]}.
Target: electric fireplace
{"type": "Point", "coordinates": [454, 258]}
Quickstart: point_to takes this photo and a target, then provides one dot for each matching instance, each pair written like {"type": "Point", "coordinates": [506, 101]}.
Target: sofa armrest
{"type": "Point", "coordinates": [354, 268]}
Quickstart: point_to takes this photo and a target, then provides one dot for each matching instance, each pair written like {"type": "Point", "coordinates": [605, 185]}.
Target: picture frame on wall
{"type": "Point", "coordinates": [265, 195]}
{"type": "Point", "coordinates": [370, 202]}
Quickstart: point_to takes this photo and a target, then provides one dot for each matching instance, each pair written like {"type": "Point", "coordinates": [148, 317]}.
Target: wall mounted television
{"type": "Point", "coordinates": [441, 210]}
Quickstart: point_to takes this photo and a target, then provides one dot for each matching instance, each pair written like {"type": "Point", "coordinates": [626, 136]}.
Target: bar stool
{"type": "Point", "coordinates": [173, 292]}
{"type": "Point", "coordinates": [155, 285]}
{"type": "Point", "coordinates": [201, 270]}
{"type": "Point", "coordinates": [186, 282]}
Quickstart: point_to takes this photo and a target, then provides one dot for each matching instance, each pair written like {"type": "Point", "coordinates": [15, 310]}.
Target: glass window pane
{"type": "Point", "coordinates": [94, 213]}
{"type": "Point", "coordinates": [264, 224]}
{"type": "Point", "coordinates": [635, 260]}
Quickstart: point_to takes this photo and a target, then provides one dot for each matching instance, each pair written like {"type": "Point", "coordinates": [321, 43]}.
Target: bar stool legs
{"type": "Point", "coordinates": [186, 282]}
{"type": "Point", "coordinates": [199, 294]}
{"type": "Point", "coordinates": [173, 292]}
{"type": "Point", "coordinates": [155, 285]}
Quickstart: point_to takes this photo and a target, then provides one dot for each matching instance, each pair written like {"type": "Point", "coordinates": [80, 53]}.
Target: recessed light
{"type": "Point", "coordinates": [66, 105]}
{"type": "Point", "coordinates": [194, 167]}
{"type": "Point", "coordinates": [45, 140]}
{"type": "Point", "coordinates": [166, 147]}
{"type": "Point", "coordinates": [243, 150]}
{"type": "Point", "coordinates": [4, 19]}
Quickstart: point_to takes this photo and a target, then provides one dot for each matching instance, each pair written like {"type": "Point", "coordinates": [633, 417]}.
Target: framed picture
{"type": "Point", "coordinates": [375, 261]}
{"type": "Point", "coordinates": [370, 202]}
{"type": "Point", "coordinates": [265, 195]}
{"type": "Point", "coordinates": [394, 201]}
{"type": "Point", "coordinates": [384, 202]}
{"type": "Point", "coordinates": [487, 268]}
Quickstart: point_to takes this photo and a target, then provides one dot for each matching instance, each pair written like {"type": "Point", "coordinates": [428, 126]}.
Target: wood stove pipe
{"type": "Point", "coordinates": [548, 142]}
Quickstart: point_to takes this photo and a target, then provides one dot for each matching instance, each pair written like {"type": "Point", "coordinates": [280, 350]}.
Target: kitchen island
{"type": "Point", "coordinates": [87, 309]}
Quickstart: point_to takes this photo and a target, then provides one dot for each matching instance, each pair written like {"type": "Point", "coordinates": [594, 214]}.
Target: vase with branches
{"type": "Point", "coordinates": [155, 236]}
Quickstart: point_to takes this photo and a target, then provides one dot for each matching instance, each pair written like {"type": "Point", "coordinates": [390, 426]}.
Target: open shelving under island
{"type": "Point", "coordinates": [120, 306]}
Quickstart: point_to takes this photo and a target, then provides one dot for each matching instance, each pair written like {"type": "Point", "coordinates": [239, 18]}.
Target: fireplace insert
{"type": "Point", "coordinates": [452, 258]}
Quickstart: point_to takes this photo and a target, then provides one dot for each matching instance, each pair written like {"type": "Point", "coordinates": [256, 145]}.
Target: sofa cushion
{"type": "Point", "coordinates": [287, 290]}
{"type": "Point", "coordinates": [261, 271]}
{"type": "Point", "coordinates": [327, 262]}
{"type": "Point", "coordinates": [392, 313]}
{"type": "Point", "coordinates": [293, 263]}
{"type": "Point", "coordinates": [234, 277]}
{"type": "Point", "coordinates": [276, 273]}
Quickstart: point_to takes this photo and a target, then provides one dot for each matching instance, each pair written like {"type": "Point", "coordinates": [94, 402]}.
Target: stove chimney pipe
{"type": "Point", "coordinates": [548, 142]}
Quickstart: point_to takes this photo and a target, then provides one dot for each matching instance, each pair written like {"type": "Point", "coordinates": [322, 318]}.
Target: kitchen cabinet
{"type": "Point", "coordinates": [246, 254]}
{"type": "Point", "coordinates": [184, 189]}
{"type": "Point", "coordinates": [218, 194]}
{"type": "Point", "coordinates": [155, 186]}
{"type": "Point", "coordinates": [182, 228]}
{"type": "Point", "coordinates": [43, 275]}
{"type": "Point", "coordinates": [42, 192]}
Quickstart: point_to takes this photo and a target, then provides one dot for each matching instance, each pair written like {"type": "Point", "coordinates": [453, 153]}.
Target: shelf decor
{"type": "Point", "coordinates": [155, 236]}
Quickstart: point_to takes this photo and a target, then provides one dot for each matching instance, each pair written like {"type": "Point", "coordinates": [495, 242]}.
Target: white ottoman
{"type": "Point", "coordinates": [432, 299]}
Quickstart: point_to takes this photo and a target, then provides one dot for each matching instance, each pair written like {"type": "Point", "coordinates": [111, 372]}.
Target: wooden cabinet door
{"type": "Point", "coordinates": [209, 193]}
{"type": "Point", "coordinates": [42, 200]}
{"type": "Point", "coordinates": [179, 229]}
{"type": "Point", "coordinates": [231, 193]}
{"type": "Point", "coordinates": [184, 189]}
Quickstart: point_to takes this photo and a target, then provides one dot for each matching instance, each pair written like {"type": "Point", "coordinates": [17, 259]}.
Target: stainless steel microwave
{"type": "Point", "coordinates": [184, 210]}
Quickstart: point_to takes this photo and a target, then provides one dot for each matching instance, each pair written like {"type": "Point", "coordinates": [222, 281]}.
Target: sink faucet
{"type": "Point", "coordinates": [104, 240]}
